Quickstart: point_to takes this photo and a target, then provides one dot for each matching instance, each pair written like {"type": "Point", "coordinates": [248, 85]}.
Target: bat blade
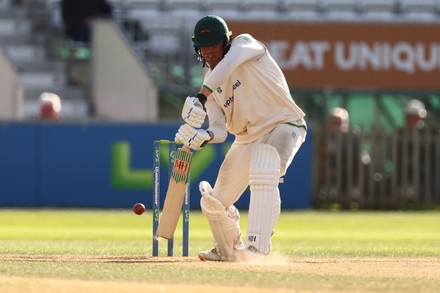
{"type": "Point", "coordinates": [175, 194]}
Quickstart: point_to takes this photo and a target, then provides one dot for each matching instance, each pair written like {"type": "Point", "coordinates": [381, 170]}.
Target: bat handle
{"type": "Point", "coordinates": [185, 148]}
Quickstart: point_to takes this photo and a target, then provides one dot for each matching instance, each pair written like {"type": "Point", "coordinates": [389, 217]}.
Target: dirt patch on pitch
{"type": "Point", "coordinates": [393, 267]}
{"type": "Point", "coordinates": [414, 268]}
{"type": "Point", "coordinates": [377, 267]}
{"type": "Point", "coordinates": [99, 258]}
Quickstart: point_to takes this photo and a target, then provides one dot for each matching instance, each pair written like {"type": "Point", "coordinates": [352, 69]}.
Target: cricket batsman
{"type": "Point", "coordinates": [245, 93]}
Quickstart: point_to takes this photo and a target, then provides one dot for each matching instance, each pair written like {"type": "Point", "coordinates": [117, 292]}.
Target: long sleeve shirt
{"type": "Point", "coordinates": [249, 93]}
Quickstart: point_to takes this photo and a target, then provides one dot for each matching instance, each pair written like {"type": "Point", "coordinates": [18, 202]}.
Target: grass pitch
{"type": "Point", "coordinates": [53, 250]}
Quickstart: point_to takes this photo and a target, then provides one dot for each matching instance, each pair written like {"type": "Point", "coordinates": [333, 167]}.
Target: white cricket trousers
{"type": "Point", "coordinates": [233, 177]}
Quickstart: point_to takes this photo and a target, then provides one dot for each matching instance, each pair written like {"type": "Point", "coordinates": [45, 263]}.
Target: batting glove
{"type": "Point", "coordinates": [193, 138]}
{"type": "Point", "coordinates": [193, 112]}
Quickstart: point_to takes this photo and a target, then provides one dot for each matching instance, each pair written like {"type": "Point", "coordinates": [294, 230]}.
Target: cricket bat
{"type": "Point", "coordinates": [175, 194]}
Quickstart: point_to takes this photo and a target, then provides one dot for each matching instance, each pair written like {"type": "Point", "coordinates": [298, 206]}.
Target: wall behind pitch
{"type": "Point", "coordinates": [18, 165]}
{"type": "Point", "coordinates": [109, 166]}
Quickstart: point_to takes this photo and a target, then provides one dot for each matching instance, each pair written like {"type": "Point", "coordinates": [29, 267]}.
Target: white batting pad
{"type": "Point", "coordinates": [265, 203]}
{"type": "Point", "coordinates": [224, 223]}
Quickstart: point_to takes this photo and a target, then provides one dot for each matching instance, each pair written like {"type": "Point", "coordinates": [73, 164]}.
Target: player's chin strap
{"type": "Point", "coordinates": [224, 223]}
{"type": "Point", "coordinates": [228, 40]}
{"type": "Point", "coordinates": [265, 203]}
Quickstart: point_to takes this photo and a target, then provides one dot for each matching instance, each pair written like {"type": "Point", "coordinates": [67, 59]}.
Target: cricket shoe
{"type": "Point", "coordinates": [213, 255]}
{"type": "Point", "coordinates": [210, 255]}
{"type": "Point", "coordinates": [251, 254]}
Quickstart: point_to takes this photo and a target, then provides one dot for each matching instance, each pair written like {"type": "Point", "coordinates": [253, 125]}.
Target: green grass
{"type": "Point", "coordinates": [360, 234]}
{"type": "Point", "coordinates": [299, 234]}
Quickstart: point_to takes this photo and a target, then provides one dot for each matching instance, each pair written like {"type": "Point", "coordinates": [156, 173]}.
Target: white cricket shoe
{"type": "Point", "coordinates": [210, 255]}
{"type": "Point", "coordinates": [251, 254]}
{"type": "Point", "coordinates": [213, 255]}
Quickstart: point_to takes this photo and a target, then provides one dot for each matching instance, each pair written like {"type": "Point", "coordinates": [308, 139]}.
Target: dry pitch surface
{"type": "Point", "coordinates": [416, 268]}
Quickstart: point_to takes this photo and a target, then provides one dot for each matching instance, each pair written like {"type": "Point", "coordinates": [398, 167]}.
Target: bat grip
{"type": "Point", "coordinates": [186, 149]}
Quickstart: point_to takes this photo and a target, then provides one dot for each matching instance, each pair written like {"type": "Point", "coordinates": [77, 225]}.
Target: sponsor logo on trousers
{"type": "Point", "coordinates": [252, 238]}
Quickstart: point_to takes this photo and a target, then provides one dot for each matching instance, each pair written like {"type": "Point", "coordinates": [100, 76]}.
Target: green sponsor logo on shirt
{"type": "Point", "coordinates": [219, 90]}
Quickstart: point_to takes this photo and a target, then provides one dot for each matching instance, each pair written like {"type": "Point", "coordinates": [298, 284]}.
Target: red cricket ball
{"type": "Point", "coordinates": [138, 208]}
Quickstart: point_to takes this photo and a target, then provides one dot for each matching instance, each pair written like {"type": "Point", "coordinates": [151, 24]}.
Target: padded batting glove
{"type": "Point", "coordinates": [193, 112]}
{"type": "Point", "coordinates": [193, 138]}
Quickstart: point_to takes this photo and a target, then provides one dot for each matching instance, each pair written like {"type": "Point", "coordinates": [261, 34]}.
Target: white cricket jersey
{"type": "Point", "coordinates": [249, 93]}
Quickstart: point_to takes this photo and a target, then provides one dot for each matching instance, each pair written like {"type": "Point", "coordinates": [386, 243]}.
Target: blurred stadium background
{"type": "Point", "coordinates": [369, 57]}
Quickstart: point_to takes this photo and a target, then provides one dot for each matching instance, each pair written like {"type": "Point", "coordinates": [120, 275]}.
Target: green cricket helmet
{"type": "Point", "coordinates": [209, 31]}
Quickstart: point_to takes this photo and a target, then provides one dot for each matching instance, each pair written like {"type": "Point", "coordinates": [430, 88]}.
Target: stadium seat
{"type": "Point", "coordinates": [197, 5]}
{"type": "Point", "coordinates": [270, 5]}
{"type": "Point", "coordinates": [165, 43]}
{"type": "Point", "coordinates": [341, 9]}
{"type": "Point", "coordinates": [165, 35]}
{"type": "Point", "coordinates": [262, 9]}
{"type": "Point", "coordinates": [144, 15]}
{"type": "Point", "coordinates": [302, 9]}
{"type": "Point", "coordinates": [419, 10]}
{"type": "Point", "coordinates": [227, 9]}
{"type": "Point", "coordinates": [224, 5]}
{"type": "Point", "coordinates": [116, 4]}
{"type": "Point", "coordinates": [144, 4]}
{"type": "Point", "coordinates": [143, 10]}
{"type": "Point", "coordinates": [418, 5]}
{"type": "Point", "coordinates": [379, 10]}
{"type": "Point", "coordinates": [186, 10]}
